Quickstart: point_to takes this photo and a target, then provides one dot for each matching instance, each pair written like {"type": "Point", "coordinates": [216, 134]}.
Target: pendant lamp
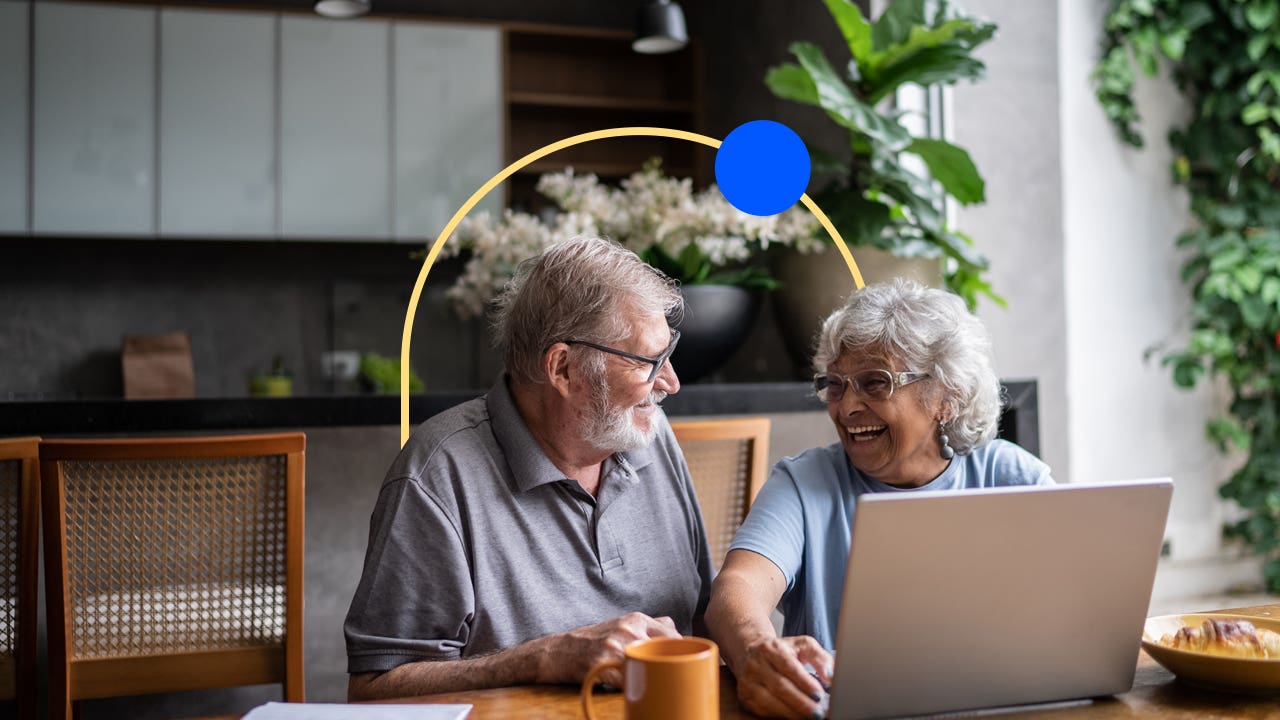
{"type": "Point", "coordinates": [343, 8]}
{"type": "Point", "coordinates": [660, 28]}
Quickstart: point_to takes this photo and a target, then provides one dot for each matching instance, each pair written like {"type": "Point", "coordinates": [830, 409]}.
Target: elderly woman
{"type": "Point", "coordinates": [906, 374]}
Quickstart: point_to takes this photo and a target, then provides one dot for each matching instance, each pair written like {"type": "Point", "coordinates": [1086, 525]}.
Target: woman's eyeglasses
{"type": "Point", "coordinates": [657, 362]}
{"type": "Point", "coordinates": [869, 384]}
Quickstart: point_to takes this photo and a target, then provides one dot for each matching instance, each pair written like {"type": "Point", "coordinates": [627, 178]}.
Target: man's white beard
{"type": "Point", "coordinates": [613, 428]}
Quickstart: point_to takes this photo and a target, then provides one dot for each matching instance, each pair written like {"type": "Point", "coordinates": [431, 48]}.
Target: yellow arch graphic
{"type": "Point", "coordinates": [510, 170]}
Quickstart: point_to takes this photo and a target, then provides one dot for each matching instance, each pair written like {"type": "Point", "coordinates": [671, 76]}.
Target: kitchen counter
{"type": "Point", "coordinates": [1019, 423]}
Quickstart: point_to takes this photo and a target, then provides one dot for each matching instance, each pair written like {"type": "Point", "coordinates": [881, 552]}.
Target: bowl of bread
{"type": "Point", "coordinates": [1217, 651]}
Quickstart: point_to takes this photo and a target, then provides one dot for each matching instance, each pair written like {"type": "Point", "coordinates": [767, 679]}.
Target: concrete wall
{"type": "Point", "coordinates": [1121, 216]}
{"type": "Point", "coordinates": [1009, 124]}
{"type": "Point", "coordinates": [1080, 230]}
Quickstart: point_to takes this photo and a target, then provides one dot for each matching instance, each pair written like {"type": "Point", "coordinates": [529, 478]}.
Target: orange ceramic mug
{"type": "Point", "coordinates": [665, 678]}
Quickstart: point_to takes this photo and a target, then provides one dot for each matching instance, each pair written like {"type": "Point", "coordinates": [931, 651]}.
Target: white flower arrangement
{"type": "Point", "coordinates": [693, 237]}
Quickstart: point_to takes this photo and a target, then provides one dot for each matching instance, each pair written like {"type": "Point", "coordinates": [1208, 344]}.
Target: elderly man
{"type": "Point", "coordinates": [526, 535]}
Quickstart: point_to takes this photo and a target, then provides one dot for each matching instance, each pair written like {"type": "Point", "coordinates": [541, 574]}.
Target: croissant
{"type": "Point", "coordinates": [1235, 638]}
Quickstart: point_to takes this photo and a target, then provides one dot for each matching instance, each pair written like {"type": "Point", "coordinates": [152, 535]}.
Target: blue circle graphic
{"type": "Point", "coordinates": [762, 167]}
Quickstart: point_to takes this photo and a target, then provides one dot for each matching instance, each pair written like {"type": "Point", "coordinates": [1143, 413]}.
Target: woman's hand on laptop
{"type": "Point", "coordinates": [775, 679]}
{"type": "Point", "coordinates": [774, 674]}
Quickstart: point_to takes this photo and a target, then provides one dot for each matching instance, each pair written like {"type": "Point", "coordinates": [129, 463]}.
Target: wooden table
{"type": "Point", "coordinates": [1155, 694]}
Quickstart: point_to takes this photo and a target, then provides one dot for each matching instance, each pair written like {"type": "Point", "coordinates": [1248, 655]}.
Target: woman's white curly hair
{"type": "Point", "coordinates": [930, 331]}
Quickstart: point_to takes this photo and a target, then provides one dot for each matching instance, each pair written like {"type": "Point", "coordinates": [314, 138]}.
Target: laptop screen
{"type": "Point", "coordinates": [973, 599]}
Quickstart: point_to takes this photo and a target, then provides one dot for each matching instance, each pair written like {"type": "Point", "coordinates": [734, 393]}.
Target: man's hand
{"type": "Point", "coordinates": [774, 681]}
{"type": "Point", "coordinates": [563, 658]}
{"type": "Point", "coordinates": [570, 656]}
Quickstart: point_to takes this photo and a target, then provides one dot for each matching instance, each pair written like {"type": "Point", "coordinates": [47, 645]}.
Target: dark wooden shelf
{"type": "Point", "coordinates": [564, 81]}
{"type": "Point", "coordinates": [601, 102]}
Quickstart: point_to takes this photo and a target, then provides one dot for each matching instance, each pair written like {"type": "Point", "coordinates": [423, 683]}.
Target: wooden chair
{"type": "Point", "coordinates": [728, 461]}
{"type": "Point", "coordinates": [19, 555]}
{"type": "Point", "coordinates": [172, 564]}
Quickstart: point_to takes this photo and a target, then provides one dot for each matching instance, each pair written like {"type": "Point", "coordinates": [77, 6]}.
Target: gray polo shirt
{"type": "Point", "coordinates": [478, 543]}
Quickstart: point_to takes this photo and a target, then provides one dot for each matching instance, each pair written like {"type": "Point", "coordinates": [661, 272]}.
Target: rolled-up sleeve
{"type": "Point", "coordinates": [415, 600]}
{"type": "Point", "coordinates": [774, 527]}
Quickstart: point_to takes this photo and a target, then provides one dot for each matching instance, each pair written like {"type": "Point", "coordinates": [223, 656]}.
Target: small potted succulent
{"type": "Point", "coordinates": [276, 383]}
{"type": "Point", "coordinates": [381, 375]}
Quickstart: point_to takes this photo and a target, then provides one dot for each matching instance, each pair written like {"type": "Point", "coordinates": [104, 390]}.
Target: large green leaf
{"type": "Point", "coordinates": [1174, 45]}
{"type": "Point", "coordinates": [1186, 369]}
{"type": "Point", "coordinates": [968, 284]}
{"type": "Point", "coordinates": [1195, 14]}
{"type": "Point", "coordinates": [952, 167]}
{"type": "Point", "coordinates": [927, 55]}
{"type": "Point", "coordinates": [1254, 313]}
{"type": "Point", "coordinates": [860, 221]}
{"type": "Point", "coordinates": [792, 82]}
{"type": "Point", "coordinates": [840, 103]}
{"type": "Point", "coordinates": [1255, 113]}
{"type": "Point", "coordinates": [962, 33]}
{"type": "Point", "coordinates": [917, 195]}
{"type": "Point", "coordinates": [1227, 430]}
{"type": "Point", "coordinates": [853, 26]}
{"type": "Point", "coordinates": [822, 162]}
{"type": "Point", "coordinates": [961, 248]}
{"type": "Point", "coordinates": [895, 23]}
{"type": "Point", "coordinates": [940, 65]}
{"type": "Point", "coordinates": [1261, 14]}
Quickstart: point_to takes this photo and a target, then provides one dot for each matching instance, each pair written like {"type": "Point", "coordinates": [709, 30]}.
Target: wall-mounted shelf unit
{"type": "Point", "coordinates": [563, 81]}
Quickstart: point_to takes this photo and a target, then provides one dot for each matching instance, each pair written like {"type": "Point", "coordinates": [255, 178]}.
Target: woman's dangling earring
{"type": "Point", "coordinates": [947, 452]}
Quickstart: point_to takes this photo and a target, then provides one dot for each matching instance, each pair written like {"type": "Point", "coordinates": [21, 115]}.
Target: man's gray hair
{"type": "Point", "coordinates": [586, 288]}
{"type": "Point", "coordinates": [930, 331]}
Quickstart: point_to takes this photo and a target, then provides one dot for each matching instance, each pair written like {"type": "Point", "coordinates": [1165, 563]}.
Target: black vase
{"type": "Point", "coordinates": [717, 319]}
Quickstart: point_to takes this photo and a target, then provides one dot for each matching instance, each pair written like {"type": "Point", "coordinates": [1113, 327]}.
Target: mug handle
{"type": "Point", "coordinates": [589, 683]}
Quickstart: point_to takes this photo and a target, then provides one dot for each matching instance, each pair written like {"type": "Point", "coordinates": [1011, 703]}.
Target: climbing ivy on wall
{"type": "Point", "coordinates": [1225, 60]}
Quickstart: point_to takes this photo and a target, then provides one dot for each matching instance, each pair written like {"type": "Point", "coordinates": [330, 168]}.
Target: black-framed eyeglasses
{"type": "Point", "coordinates": [657, 362]}
{"type": "Point", "coordinates": [870, 384]}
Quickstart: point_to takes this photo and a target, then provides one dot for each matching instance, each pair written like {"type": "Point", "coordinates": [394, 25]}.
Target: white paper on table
{"type": "Point", "coordinates": [338, 711]}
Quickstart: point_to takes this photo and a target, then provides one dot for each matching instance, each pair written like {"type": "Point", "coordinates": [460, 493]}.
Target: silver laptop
{"type": "Point", "coordinates": [964, 600]}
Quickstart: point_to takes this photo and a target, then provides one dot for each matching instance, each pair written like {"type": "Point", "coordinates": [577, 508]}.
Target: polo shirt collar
{"type": "Point", "coordinates": [530, 466]}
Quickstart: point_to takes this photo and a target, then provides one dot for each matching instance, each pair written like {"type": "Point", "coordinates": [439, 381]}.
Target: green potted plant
{"type": "Point", "coordinates": [276, 383]}
{"type": "Point", "coordinates": [1225, 60]}
{"type": "Point", "coordinates": [381, 374]}
{"type": "Point", "coordinates": [886, 187]}
{"type": "Point", "coordinates": [715, 251]}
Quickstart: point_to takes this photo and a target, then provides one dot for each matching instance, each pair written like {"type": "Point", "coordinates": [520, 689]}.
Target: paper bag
{"type": "Point", "coordinates": [158, 366]}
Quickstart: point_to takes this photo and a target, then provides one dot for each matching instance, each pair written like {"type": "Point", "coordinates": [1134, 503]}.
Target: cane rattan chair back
{"type": "Point", "coordinates": [727, 460]}
{"type": "Point", "coordinates": [19, 553]}
{"type": "Point", "coordinates": [173, 564]}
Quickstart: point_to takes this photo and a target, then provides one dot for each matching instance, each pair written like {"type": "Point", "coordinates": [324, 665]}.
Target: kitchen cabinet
{"type": "Point", "coordinates": [448, 134]}
{"type": "Point", "coordinates": [94, 126]}
{"type": "Point", "coordinates": [217, 123]}
{"type": "Point", "coordinates": [14, 104]}
{"type": "Point", "coordinates": [335, 129]}
{"type": "Point", "coordinates": [173, 122]}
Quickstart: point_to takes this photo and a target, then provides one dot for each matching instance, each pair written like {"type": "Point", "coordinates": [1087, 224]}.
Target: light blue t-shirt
{"type": "Point", "coordinates": [802, 521]}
